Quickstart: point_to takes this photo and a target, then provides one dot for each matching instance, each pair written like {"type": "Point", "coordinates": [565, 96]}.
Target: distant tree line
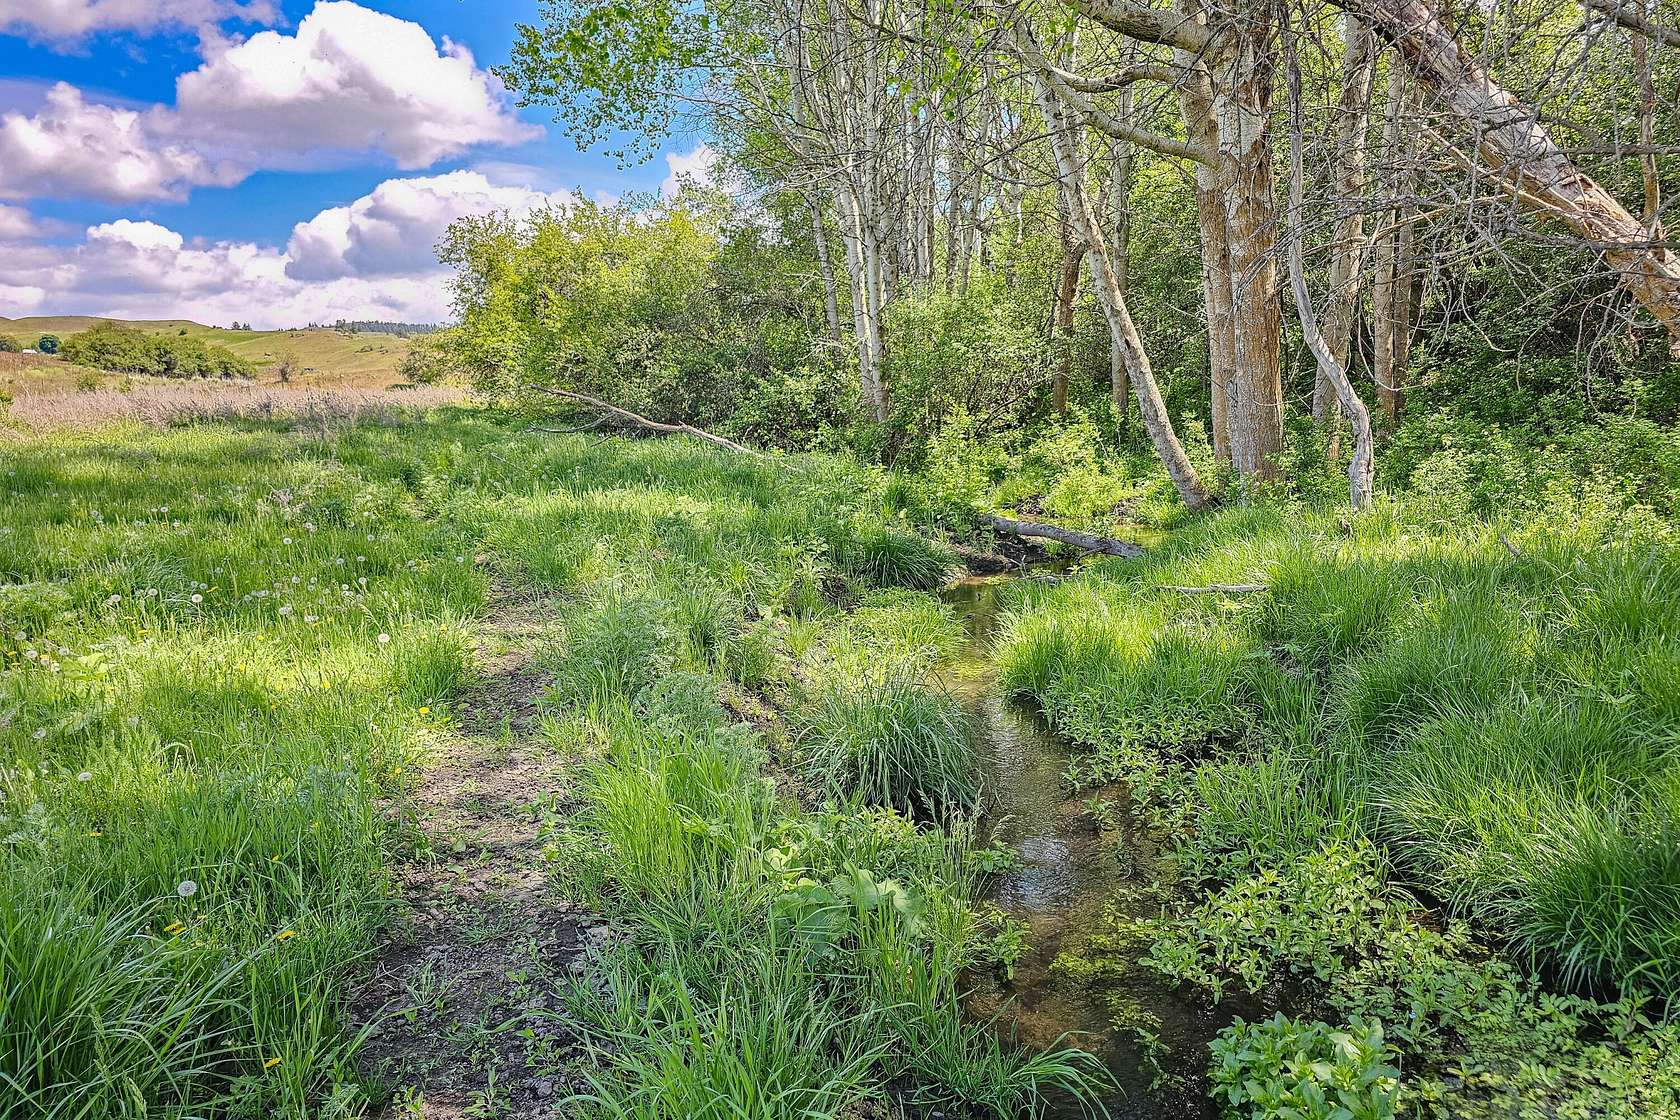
{"type": "Point", "coordinates": [382, 326]}
{"type": "Point", "coordinates": [126, 350]}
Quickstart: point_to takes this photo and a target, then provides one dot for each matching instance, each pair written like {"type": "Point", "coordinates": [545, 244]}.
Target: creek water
{"type": "Point", "coordinates": [1067, 871]}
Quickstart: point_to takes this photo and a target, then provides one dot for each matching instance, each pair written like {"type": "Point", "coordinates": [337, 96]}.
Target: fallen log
{"type": "Point", "coordinates": [1108, 546]}
{"type": "Point", "coordinates": [643, 422]}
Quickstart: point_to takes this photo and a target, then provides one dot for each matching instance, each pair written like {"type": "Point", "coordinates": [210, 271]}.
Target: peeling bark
{"type": "Point", "coordinates": [1511, 144]}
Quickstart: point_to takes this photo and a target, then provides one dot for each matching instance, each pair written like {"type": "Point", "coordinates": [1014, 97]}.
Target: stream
{"type": "Point", "coordinates": [1067, 871]}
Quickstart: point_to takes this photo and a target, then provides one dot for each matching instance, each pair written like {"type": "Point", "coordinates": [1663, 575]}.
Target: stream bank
{"type": "Point", "coordinates": [1068, 871]}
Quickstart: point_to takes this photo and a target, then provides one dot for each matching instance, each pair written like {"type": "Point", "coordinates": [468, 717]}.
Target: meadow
{"type": "Point", "coordinates": [321, 357]}
{"type": "Point", "coordinates": [1412, 776]}
{"type": "Point", "coordinates": [229, 650]}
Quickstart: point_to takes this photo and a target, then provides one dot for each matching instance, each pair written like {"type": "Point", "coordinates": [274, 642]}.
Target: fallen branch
{"type": "Point", "coordinates": [1108, 546]}
{"type": "Point", "coordinates": [644, 422]}
{"type": "Point", "coordinates": [1218, 588]}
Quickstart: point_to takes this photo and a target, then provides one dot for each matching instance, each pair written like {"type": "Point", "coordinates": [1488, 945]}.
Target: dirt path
{"type": "Point", "coordinates": [463, 992]}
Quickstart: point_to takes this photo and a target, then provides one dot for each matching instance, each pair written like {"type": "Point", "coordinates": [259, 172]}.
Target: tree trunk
{"type": "Point", "coordinates": [1242, 112]}
{"type": "Point", "coordinates": [1391, 287]}
{"type": "Point", "coordinates": [1352, 121]}
{"type": "Point", "coordinates": [1361, 471]}
{"type": "Point", "coordinates": [831, 298]}
{"type": "Point", "coordinates": [1511, 144]}
{"type": "Point", "coordinates": [1067, 291]}
{"type": "Point", "coordinates": [1196, 104]}
{"type": "Point", "coordinates": [1156, 421]}
{"type": "Point", "coordinates": [1120, 212]}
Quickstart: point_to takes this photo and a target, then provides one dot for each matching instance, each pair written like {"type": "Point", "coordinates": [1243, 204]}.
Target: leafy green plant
{"type": "Point", "coordinates": [1307, 1070]}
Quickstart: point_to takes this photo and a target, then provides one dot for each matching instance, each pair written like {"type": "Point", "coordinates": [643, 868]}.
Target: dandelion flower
{"type": "Point", "coordinates": [271, 1063]}
{"type": "Point", "coordinates": [96, 834]}
{"type": "Point", "coordinates": [187, 888]}
{"type": "Point", "coordinates": [174, 927]}
{"type": "Point", "coordinates": [424, 709]}
{"type": "Point", "coordinates": [285, 935]}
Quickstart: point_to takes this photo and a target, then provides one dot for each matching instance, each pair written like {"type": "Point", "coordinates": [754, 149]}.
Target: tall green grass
{"type": "Point", "coordinates": [225, 653]}
{"type": "Point", "coordinates": [893, 742]}
{"type": "Point", "coordinates": [1496, 705]}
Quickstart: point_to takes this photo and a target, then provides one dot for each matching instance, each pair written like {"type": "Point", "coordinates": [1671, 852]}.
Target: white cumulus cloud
{"type": "Point", "coordinates": [71, 145]}
{"type": "Point", "coordinates": [698, 166]}
{"type": "Point", "coordinates": [351, 80]}
{"type": "Point", "coordinates": [16, 223]}
{"type": "Point", "coordinates": [371, 259]}
{"type": "Point", "coordinates": [394, 228]}
{"type": "Point", "coordinates": [59, 20]}
{"type": "Point", "coordinates": [348, 82]}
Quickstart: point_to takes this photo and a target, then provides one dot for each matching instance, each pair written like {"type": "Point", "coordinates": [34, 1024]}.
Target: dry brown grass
{"type": "Point", "coordinates": [165, 403]}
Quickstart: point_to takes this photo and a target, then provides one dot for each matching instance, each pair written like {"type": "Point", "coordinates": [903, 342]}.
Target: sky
{"type": "Point", "coordinates": [275, 162]}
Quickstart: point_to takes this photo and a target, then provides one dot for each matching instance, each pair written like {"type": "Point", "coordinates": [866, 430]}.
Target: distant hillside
{"type": "Point", "coordinates": [321, 356]}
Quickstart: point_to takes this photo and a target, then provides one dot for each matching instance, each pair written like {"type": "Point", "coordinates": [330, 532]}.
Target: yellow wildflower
{"type": "Point", "coordinates": [285, 935]}
{"type": "Point", "coordinates": [174, 927]}
{"type": "Point", "coordinates": [96, 832]}
{"type": "Point", "coordinates": [271, 1063]}
{"type": "Point", "coordinates": [424, 709]}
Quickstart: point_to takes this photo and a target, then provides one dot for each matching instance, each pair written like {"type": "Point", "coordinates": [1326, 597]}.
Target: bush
{"type": "Point", "coordinates": [118, 349]}
{"type": "Point", "coordinates": [9, 345]}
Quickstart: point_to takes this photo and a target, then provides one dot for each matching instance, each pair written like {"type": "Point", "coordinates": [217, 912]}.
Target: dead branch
{"type": "Point", "coordinates": [644, 422]}
{"type": "Point", "coordinates": [1089, 542]}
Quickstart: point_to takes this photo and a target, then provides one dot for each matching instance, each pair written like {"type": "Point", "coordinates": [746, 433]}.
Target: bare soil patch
{"type": "Point", "coordinates": [464, 992]}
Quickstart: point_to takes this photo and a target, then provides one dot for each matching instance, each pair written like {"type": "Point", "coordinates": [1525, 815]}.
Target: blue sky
{"type": "Point", "coordinates": [167, 140]}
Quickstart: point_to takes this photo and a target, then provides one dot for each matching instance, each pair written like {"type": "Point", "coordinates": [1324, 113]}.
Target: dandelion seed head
{"type": "Point", "coordinates": [186, 888]}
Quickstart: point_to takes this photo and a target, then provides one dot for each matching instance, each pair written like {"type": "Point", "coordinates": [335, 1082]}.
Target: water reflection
{"type": "Point", "coordinates": [1066, 873]}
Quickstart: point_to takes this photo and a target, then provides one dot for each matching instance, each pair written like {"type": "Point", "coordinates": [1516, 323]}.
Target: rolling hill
{"type": "Point", "coordinates": [322, 357]}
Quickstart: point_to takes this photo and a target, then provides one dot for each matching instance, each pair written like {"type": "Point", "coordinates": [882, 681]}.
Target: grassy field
{"type": "Point", "coordinates": [324, 358]}
{"type": "Point", "coordinates": [1417, 787]}
{"type": "Point", "coordinates": [1380, 721]}
{"type": "Point", "coordinates": [229, 653]}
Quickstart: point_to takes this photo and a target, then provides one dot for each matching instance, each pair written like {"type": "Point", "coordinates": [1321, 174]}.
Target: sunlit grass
{"type": "Point", "coordinates": [1495, 704]}
{"type": "Point", "coordinates": [225, 655]}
